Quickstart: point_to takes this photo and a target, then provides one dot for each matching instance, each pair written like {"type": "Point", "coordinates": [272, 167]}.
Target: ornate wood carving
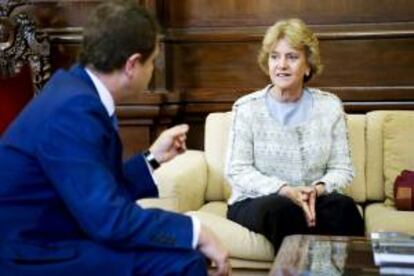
{"type": "Point", "coordinates": [20, 44]}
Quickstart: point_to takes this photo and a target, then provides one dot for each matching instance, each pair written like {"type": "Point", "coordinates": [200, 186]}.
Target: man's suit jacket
{"type": "Point", "coordinates": [65, 191]}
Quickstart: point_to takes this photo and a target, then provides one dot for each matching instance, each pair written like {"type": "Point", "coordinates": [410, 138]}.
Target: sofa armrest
{"type": "Point", "coordinates": [185, 179]}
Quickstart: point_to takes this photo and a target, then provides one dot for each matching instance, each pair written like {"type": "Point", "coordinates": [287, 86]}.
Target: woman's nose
{"type": "Point", "coordinates": [281, 64]}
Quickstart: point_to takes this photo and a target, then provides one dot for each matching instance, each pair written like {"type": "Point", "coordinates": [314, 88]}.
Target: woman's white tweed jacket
{"type": "Point", "coordinates": [264, 155]}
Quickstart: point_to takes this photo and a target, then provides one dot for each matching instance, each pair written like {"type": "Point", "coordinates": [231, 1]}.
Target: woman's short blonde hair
{"type": "Point", "coordinates": [299, 36]}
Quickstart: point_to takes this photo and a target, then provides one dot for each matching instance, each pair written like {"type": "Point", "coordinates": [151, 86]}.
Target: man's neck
{"type": "Point", "coordinates": [110, 80]}
{"type": "Point", "coordinates": [104, 94]}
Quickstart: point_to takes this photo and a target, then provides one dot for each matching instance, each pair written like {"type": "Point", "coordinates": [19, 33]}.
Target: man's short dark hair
{"type": "Point", "coordinates": [115, 31]}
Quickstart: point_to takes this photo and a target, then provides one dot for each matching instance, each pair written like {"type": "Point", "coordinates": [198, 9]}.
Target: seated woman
{"type": "Point", "coordinates": [289, 157]}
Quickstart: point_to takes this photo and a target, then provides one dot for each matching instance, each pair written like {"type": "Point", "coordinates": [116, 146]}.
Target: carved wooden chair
{"type": "Point", "coordinates": [24, 61]}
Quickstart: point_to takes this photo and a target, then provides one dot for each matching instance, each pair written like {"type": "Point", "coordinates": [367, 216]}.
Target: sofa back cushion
{"type": "Point", "coordinates": [356, 131]}
{"type": "Point", "coordinates": [215, 146]}
{"type": "Point", "coordinates": [376, 169]}
{"type": "Point", "coordinates": [398, 138]}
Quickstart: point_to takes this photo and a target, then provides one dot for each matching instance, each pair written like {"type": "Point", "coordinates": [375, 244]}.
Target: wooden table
{"type": "Point", "coordinates": [324, 255]}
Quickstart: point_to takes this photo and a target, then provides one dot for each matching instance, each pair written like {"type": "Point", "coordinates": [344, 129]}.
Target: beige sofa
{"type": "Point", "coordinates": [382, 144]}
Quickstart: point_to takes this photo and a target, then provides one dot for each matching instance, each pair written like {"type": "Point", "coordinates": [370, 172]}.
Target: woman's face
{"type": "Point", "coordinates": [287, 66]}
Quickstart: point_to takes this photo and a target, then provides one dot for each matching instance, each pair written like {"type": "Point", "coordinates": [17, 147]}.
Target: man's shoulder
{"type": "Point", "coordinates": [68, 89]}
{"type": "Point", "coordinates": [74, 80]}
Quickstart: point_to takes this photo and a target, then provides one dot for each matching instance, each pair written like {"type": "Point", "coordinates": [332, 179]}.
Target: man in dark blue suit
{"type": "Point", "coordinates": [67, 202]}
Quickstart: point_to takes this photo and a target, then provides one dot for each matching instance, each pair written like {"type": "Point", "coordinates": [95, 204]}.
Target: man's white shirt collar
{"type": "Point", "coordinates": [103, 92]}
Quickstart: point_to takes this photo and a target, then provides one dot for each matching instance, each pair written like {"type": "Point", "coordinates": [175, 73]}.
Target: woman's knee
{"type": "Point", "coordinates": [346, 203]}
{"type": "Point", "coordinates": [339, 201]}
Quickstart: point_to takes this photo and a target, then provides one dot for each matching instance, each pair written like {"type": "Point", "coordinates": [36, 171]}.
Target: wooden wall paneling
{"type": "Point", "coordinates": [143, 116]}
{"type": "Point", "coordinates": [169, 110]}
{"type": "Point", "coordinates": [212, 13]}
{"type": "Point", "coordinates": [367, 62]}
{"type": "Point", "coordinates": [159, 77]}
{"type": "Point", "coordinates": [61, 14]}
{"type": "Point", "coordinates": [216, 65]}
{"type": "Point", "coordinates": [135, 136]}
{"type": "Point", "coordinates": [195, 136]}
{"type": "Point", "coordinates": [220, 73]}
{"type": "Point", "coordinates": [65, 46]}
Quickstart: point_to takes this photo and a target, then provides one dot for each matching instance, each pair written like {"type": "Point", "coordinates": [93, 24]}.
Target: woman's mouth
{"type": "Point", "coordinates": [283, 75]}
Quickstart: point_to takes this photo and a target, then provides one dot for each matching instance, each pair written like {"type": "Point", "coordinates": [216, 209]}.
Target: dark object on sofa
{"type": "Point", "coordinates": [404, 191]}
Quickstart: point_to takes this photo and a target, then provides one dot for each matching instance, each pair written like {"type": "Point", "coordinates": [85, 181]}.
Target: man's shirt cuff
{"type": "Point", "coordinates": [196, 230]}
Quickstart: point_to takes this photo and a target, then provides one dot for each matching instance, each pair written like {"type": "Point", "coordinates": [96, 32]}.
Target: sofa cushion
{"type": "Point", "coordinates": [184, 178]}
{"type": "Point", "coordinates": [356, 131]}
{"type": "Point", "coordinates": [215, 147]}
{"type": "Point", "coordinates": [166, 203]}
{"type": "Point", "coordinates": [374, 155]}
{"type": "Point", "coordinates": [248, 245]}
{"type": "Point", "coordinates": [379, 217]}
{"type": "Point", "coordinates": [215, 207]}
{"type": "Point", "coordinates": [398, 137]}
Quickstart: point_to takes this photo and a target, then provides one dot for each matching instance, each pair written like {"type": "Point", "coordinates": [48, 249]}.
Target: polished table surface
{"type": "Point", "coordinates": [324, 255]}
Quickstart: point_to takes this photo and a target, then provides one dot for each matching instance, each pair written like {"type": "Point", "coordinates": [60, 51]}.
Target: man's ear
{"type": "Point", "coordinates": [131, 64]}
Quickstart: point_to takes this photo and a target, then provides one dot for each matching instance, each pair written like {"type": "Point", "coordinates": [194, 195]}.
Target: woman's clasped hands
{"type": "Point", "coordinates": [304, 197]}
